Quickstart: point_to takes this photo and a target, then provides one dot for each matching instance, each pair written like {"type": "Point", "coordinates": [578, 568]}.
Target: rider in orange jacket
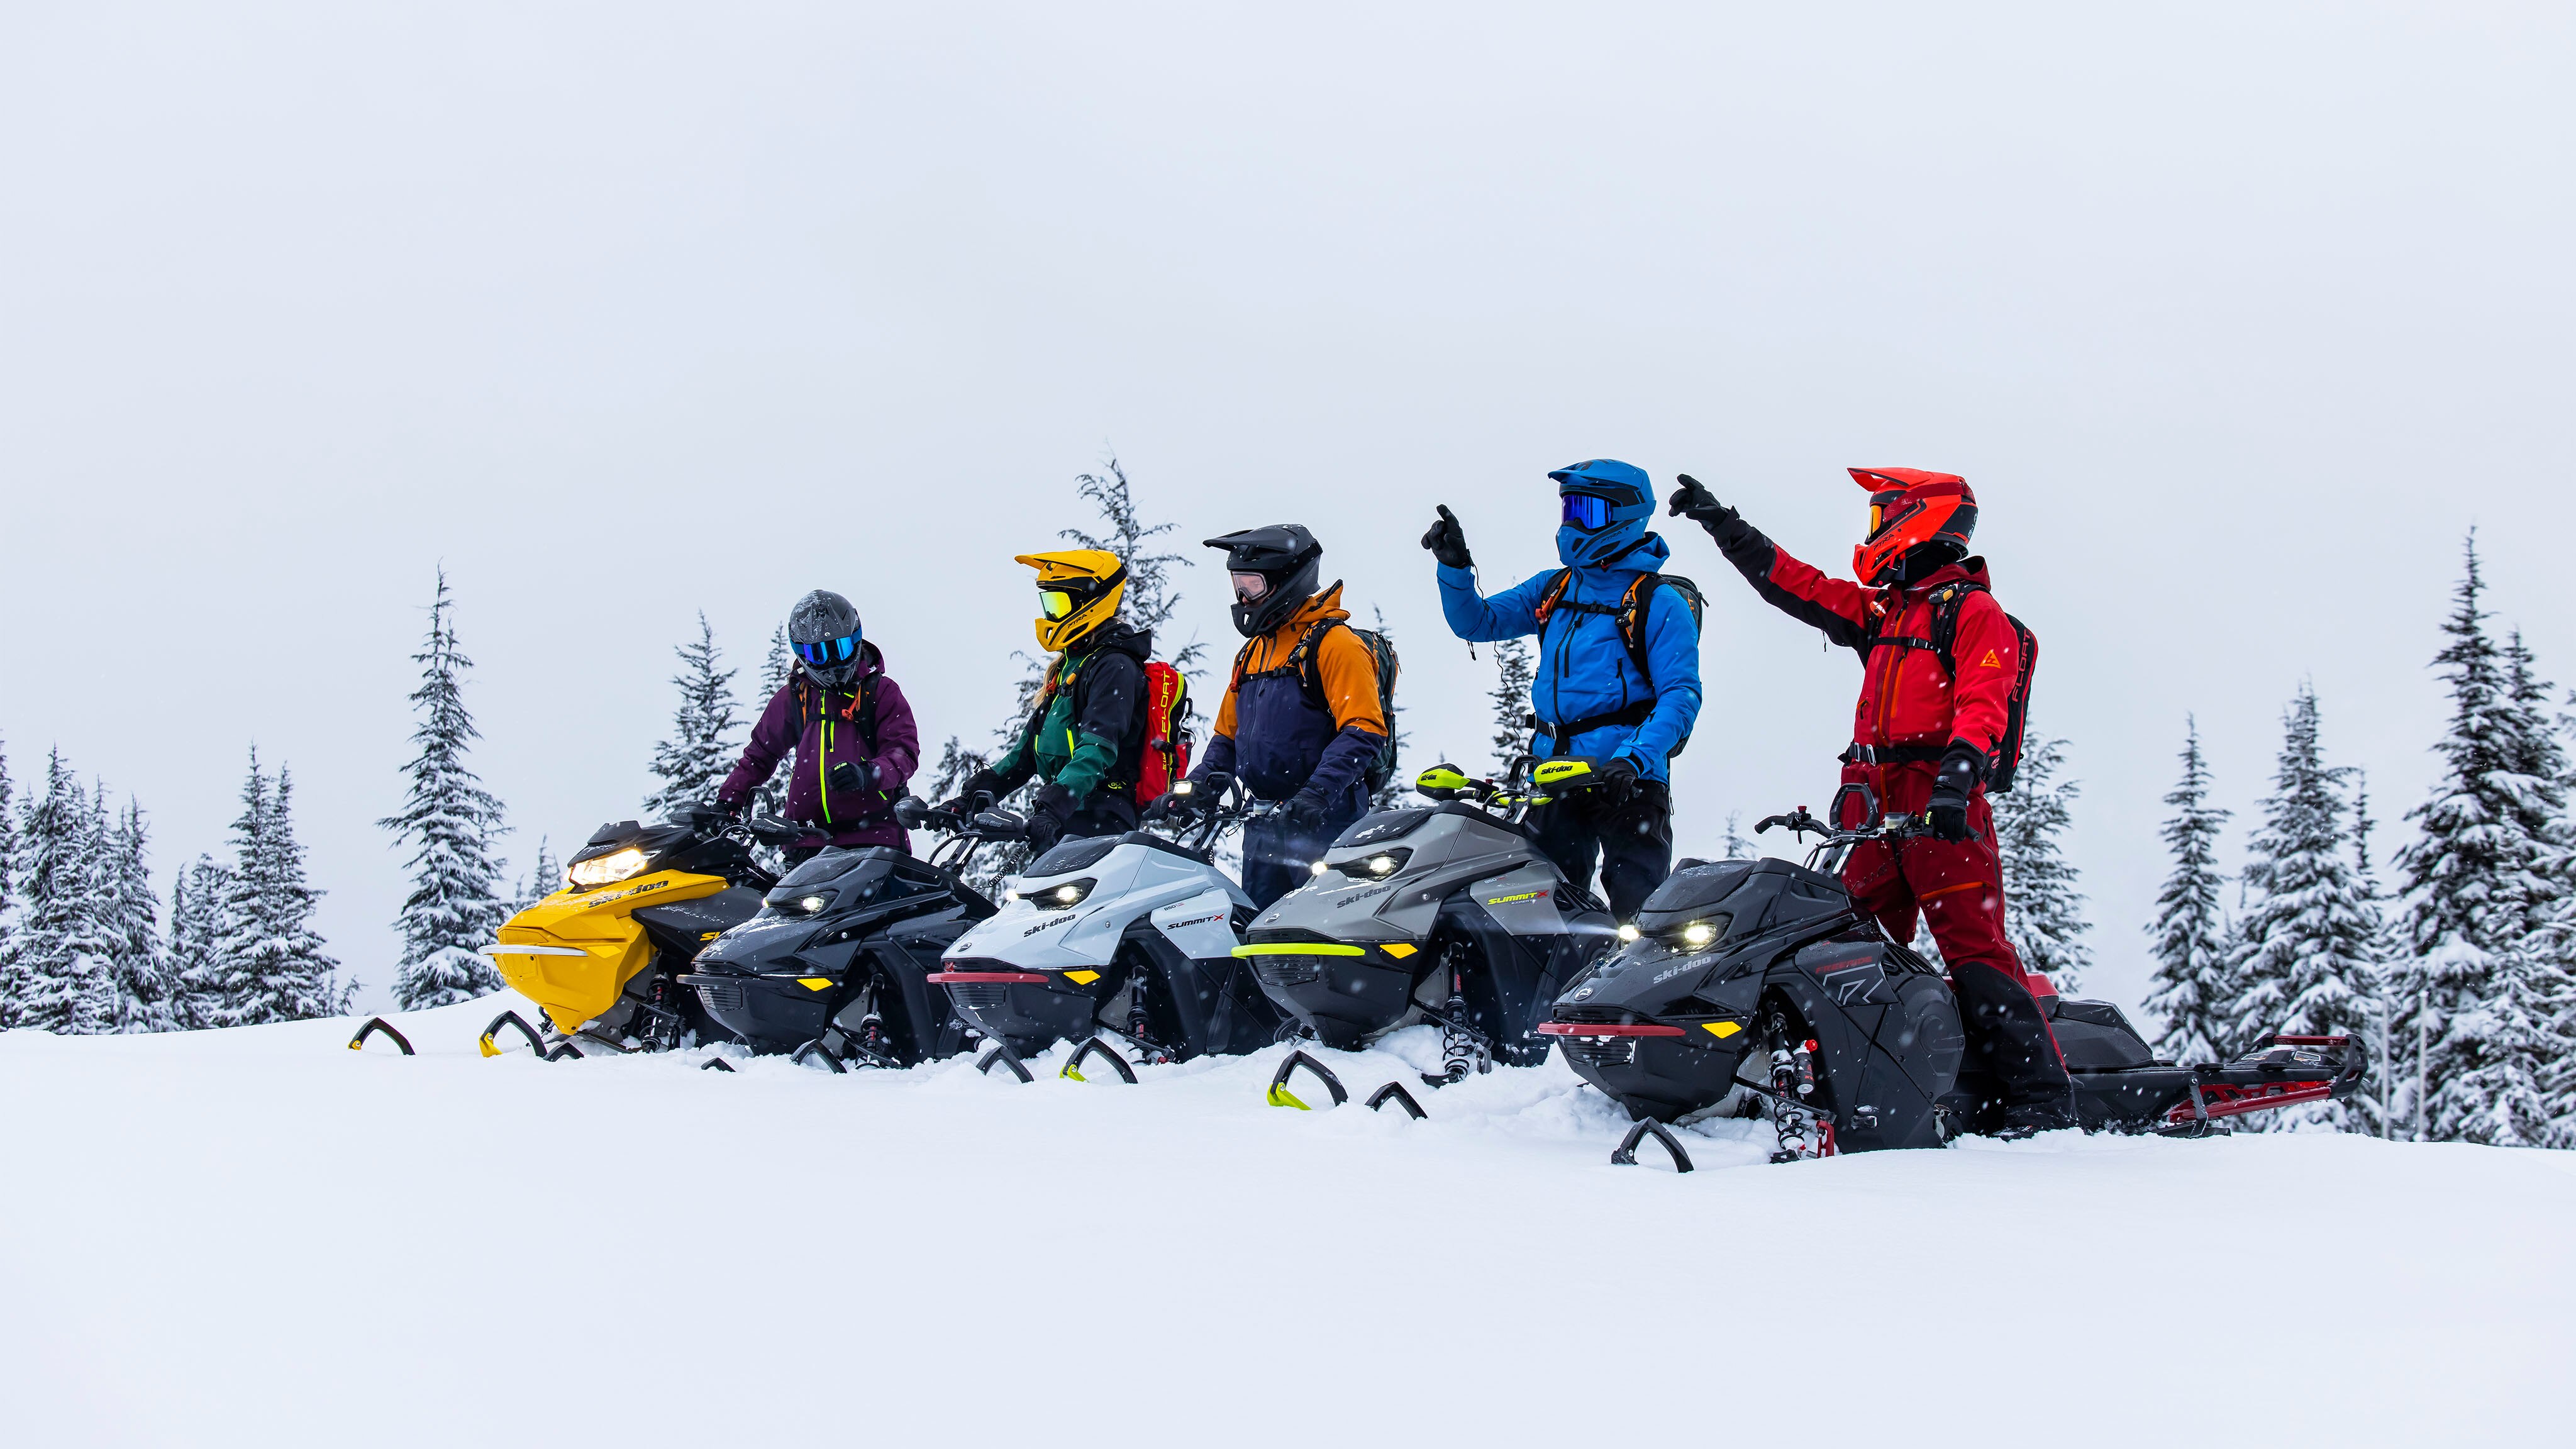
{"type": "Point", "coordinates": [1925, 743]}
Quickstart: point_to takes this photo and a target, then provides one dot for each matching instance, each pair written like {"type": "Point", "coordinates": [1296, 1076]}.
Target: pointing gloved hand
{"type": "Point", "coordinates": [1962, 767]}
{"type": "Point", "coordinates": [1047, 816]}
{"type": "Point", "coordinates": [1692, 500]}
{"type": "Point", "coordinates": [850, 778]}
{"type": "Point", "coordinates": [1448, 542]}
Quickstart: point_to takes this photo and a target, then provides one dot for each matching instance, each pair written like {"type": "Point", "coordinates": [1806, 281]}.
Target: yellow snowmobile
{"type": "Point", "coordinates": [600, 954]}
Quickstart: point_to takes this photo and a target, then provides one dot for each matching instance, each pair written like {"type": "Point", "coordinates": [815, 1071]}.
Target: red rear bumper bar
{"type": "Point", "coordinates": [986, 978]}
{"type": "Point", "coordinates": [1588, 1028]}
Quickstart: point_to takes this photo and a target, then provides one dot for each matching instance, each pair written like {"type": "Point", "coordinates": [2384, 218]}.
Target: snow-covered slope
{"type": "Point", "coordinates": [257, 1237]}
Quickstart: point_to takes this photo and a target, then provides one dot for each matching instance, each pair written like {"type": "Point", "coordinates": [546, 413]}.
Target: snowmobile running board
{"type": "Point", "coordinates": [379, 1024]}
{"type": "Point", "coordinates": [1096, 1046]}
{"type": "Point", "coordinates": [490, 1048]}
{"type": "Point", "coordinates": [1647, 1127]}
{"type": "Point", "coordinates": [1280, 1096]}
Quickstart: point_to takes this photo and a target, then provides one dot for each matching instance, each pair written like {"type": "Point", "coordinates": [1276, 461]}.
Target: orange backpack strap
{"type": "Point", "coordinates": [1553, 595]}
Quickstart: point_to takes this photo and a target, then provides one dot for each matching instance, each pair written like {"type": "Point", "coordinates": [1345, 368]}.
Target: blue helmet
{"type": "Point", "coordinates": [1607, 506]}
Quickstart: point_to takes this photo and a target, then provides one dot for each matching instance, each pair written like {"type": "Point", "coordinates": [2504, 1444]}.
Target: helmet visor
{"type": "Point", "coordinates": [1248, 587]}
{"type": "Point", "coordinates": [1587, 511]}
{"type": "Point", "coordinates": [830, 651]}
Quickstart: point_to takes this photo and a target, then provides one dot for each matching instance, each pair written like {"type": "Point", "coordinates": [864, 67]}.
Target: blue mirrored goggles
{"type": "Point", "coordinates": [830, 651]}
{"type": "Point", "coordinates": [1587, 511]}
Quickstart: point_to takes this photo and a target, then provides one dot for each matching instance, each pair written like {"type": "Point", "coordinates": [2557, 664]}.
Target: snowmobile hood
{"type": "Point", "coordinates": [1753, 896]}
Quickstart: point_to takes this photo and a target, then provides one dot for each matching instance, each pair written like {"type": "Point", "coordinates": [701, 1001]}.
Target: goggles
{"type": "Point", "coordinates": [1881, 515]}
{"type": "Point", "coordinates": [1248, 587]}
{"type": "Point", "coordinates": [830, 651]}
{"type": "Point", "coordinates": [1587, 511]}
{"type": "Point", "coordinates": [1055, 603]}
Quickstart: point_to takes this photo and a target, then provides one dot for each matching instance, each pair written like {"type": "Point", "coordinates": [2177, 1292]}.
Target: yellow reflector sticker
{"type": "Point", "coordinates": [815, 983]}
{"type": "Point", "coordinates": [1722, 1028]}
{"type": "Point", "coordinates": [1300, 948]}
{"type": "Point", "coordinates": [1399, 950]}
{"type": "Point", "coordinates": [1081, 978]}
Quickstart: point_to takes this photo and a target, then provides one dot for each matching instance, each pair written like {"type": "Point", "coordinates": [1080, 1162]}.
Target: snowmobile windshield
{"type": "Point", "coordinates": [825, 868]}
{"type": "Point", "coordinates": [1382, 826]}
{"type": "Point", "coordinates": [1073, 855]}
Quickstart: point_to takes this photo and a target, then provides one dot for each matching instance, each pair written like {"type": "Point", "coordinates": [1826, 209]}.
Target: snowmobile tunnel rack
{"type": "Point", "coordinates": [1394, 1091]}
{"type": "Point", "coordinates": [489, 1048]}
{"type": "Point", "coordinates": [1280, 1096]}
{"type": "Point", "coordinates": [379, 1024]}
{"type": "Point", "coordinates": [1093, 1047]}
{"type": "Point", "coordinates": [1626, 1155]}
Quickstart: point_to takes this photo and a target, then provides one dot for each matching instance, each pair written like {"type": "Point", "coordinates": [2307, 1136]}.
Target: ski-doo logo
{"type": "Point", "coordinates": [650, 885]}
{"type": "Point", "coordinates": [1047, 926]}
{"type": "Point", "coordinates": [1362, 895]}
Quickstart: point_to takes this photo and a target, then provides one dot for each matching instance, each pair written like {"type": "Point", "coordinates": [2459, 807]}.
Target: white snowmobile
{"type": "Point", "coordinates": [1127, 936]}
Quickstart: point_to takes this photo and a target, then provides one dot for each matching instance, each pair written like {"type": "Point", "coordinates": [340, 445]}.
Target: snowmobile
{"type": "Point", "coordinates": [1760, 985]}
{"type": "Point", "coordinates": [1112, 939]}
{"type": "Point", "coordinates": [1447, 914]}
{"type": "Point", "coordinates": [837, 966]}
{"type": "Point", "coordinates": [602, 954]}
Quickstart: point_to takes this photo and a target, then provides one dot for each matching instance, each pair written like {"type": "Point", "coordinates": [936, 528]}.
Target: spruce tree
{"type": "Point", "coordinates": [1510, 697]}
{"type": "Point", "coordinates": [2192, 990]}
{"type": "Point", "coordinates": [775, 671]}
{"type": "Point", "coordinates": [61, 967]}
{"type": "Point", "coordinates": [2306, 958]}
{"type": "Point", "coordinates": [1398, 789]}
{"type": "Point", "coordinates": [147, 993]}
{"type": "Point", "coordinates": [8, 887]}
{"type": "Point", "coordinates": [701, 750]}
{"type": "Point", "coordinates": [450, 822]}
{"type": "Point", "coordinates": [1153, 598]}
{"type": "Point", "coordinates": [2044, 912]}
{"type": "Point", "coordinates": [542, 880]}
{"type": "Point", "coordinates": [196, 930]}
{"type": "Point", "coordinates": [2478, 995]}
{"type": "Point", "coordinates": [1737, 846]}
{"type": "Point", "coordinates": [269, 964]}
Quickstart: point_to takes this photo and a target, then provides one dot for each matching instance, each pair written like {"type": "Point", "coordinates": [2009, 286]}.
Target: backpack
{"type": "Point", "coordinates": [1946, 602]}
{"type": "Point", "coordinates": [1166, 756]}
{"type": "Point", "coordinates": [1631, 614]}
{"type": "Point", "coordinates": [1301, 662]}
{"type": "Point", "coordinates": [861, 711]}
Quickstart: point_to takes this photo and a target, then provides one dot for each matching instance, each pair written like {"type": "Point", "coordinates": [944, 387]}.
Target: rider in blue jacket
{"type": "Point", "coordinates": [1618, 671]}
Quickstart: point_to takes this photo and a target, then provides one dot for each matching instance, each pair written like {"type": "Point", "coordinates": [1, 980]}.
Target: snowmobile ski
{"type": "Point", "coordinates": [1626, 1154]}
{"type": "Point", "coordinates": [1394, 1092]}
{"type": "Point", "coordinates": [491, 1048]}
{"type": "Point", "coordinates": [377, 1024]}
{"type": "Point", "coordinates": [1280, 1096]}
{"type": "Point", "coordinates": [1098, 1047]}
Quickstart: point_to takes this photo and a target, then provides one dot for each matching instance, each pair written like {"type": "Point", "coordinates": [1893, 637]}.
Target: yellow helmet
{"type": "Point", "coordinates": [1078, 591]}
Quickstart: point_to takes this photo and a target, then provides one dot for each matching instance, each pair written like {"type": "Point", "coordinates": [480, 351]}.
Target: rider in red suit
{"type": "Point", "coordinates": [1924, 743]}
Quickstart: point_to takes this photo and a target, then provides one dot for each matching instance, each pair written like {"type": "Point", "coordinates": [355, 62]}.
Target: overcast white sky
{"type": "Point", "coordinates": [2237, 317]}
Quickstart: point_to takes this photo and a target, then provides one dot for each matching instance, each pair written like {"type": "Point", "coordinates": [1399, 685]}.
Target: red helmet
{"type": "Point", "coordinates": [1907, 509]}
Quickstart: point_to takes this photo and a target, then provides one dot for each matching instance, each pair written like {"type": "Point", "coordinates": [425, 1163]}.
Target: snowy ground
{"type": "Point", "coordinates": [257, 1237]}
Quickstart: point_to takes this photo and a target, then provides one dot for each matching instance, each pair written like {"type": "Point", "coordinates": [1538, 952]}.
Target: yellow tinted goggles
{"type": "Point", "coordinates": [1055, 603]}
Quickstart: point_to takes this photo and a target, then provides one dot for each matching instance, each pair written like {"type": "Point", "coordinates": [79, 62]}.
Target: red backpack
{"type": "Point", "coordinates": [1167, 732]}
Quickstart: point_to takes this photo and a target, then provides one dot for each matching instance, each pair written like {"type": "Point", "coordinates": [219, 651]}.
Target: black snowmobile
{"type": "Point", "coordinates": [836, 966]}
{"type": "Point", "coordinates": [1761, 985]}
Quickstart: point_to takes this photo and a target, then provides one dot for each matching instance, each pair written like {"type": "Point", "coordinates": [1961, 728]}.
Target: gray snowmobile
{"type": "Point", "coordinates": [1446, 914]}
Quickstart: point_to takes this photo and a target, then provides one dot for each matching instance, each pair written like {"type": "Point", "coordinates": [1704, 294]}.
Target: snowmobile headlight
{"type": "Point", "coordinates": [1061, 897]}
{"type": "Point", "coordinates": [1628, 933]}
{"type": "Point", "coordinates": [615, 866]}
{"type": "Point", "coordinates": [1376, 866]}
{"type": "Point", "coordinates": [1318, 868]}
{"type": "Point", "coordinates": [1698, 933]}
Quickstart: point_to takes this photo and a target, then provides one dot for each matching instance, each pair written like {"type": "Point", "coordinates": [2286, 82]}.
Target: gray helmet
{"type": "Point", "coordinates": [824, 629]}
{"type": "Point", "coordinates": [1289, 561]}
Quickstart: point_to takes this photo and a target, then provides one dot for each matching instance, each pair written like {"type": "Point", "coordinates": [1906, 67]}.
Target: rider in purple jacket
{"type": "Point", "coordinates": [850, 728]}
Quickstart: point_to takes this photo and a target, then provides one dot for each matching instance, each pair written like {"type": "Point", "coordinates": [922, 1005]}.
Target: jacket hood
{"type": "Point", "coordinates": [1326, 604]}
{"type": "Point", "coordinates": [1646, 556]}
{"type": "Point", "coordinates": [1117, 635]}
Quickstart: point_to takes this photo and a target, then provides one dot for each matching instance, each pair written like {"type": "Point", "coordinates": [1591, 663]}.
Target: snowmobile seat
{"type": "Point", "coordinates": [2096, 1037]}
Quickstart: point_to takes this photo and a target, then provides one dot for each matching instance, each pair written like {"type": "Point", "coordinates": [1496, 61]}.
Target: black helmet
{"type": "Point", "coordinates": [1285, 558]}
{"type": "Point", "coordinates": [824, 627]}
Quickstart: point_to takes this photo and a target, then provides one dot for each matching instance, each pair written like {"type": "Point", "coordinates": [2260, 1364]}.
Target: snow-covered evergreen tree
{"type": "Point", "coordinates": [2043, 911]}
{"type": "Point", "coordinates": [2479, 991]}
{"type": "Point", "coordinates": [196, 932]}
{"type": "Point", "coordinates": [147, 994]}
{"type": "Point", "coordinates": [2386, 1093]}
{"type": "Point", "coordinates": [8, 883]}
{"type": "Point", "coordinates": [701, 750]}
{"type": "Point", "coordinates": [269, 964]}
{"type": "Point", "coordinates": [771, 798]}
{"type": "Point", "coordinates": [1152, 595]}
{"type": "Point", "coordinates": [1398, 789]}
{"type": "Point", "coordinates": [450, 822]}
{"type": "Point", "coordinates": [542, 880]}
{"type": "Point", "coordinates": [2306, 957]}
{"type": "Point", "coordinates": [61, 966]}
{"type": "Point", "coordinates": [2193, 989]}
{"type": "Point", "coordinates": [1738, 847]}
{"type": "Point", "coordinates": [1510, 698]}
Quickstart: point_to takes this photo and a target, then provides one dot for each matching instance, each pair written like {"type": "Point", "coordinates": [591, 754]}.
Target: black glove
{"type": "Point", "coordinates": [851, 779]}
{"type": "Point", "coordinates": [975, 796]}
{"type": "Point", "coordinates": [1448, 542]}
{"type": "Point", "coordinates": [1303, 812]}
{"type": "Point", "coordinates": [1618, 775]}
{"type": "Point", "coordinates": [1047, 816]}
{"type": "Point", "coordinates": [730, 809]}
{"type": "Point", "coordinates": [1961, 770]}
{"type": "Point", "coordinates": [1180, 803]}
{"type": "Point", "coordinates": [1692, 500]}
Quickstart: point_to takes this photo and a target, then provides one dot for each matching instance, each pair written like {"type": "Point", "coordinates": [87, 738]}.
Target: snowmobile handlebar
{"type": "Point", "coordinates": [1529, 781]}
{"type": "Point", "coordinates": [1839, 839]}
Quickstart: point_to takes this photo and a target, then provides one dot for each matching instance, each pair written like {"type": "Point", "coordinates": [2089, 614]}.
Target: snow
{"type": "Point", "coordinates": [254, 1236]}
